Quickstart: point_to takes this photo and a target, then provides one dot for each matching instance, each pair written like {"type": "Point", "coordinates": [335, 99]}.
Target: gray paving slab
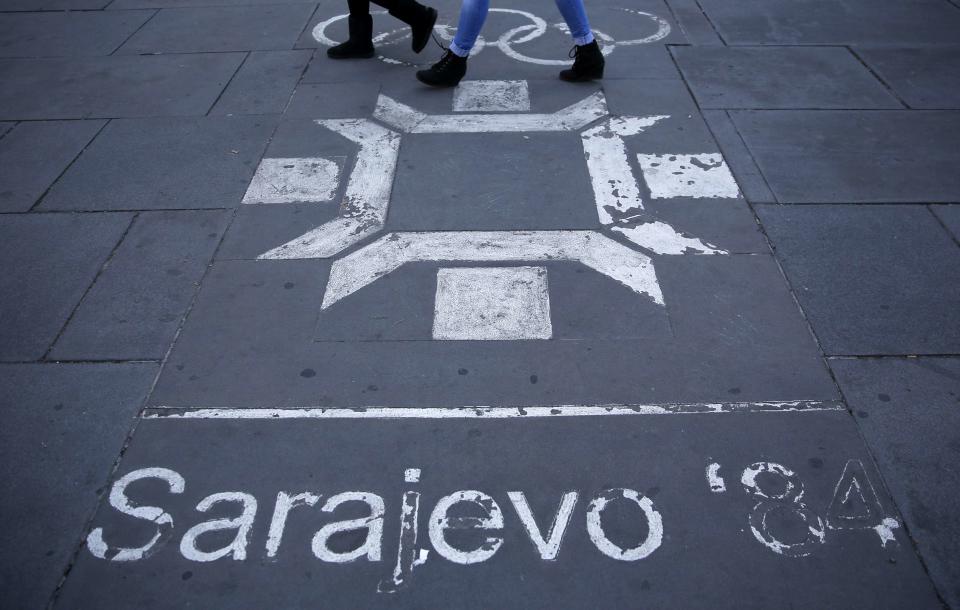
{"type": "Point", "coordinates": [647, 96]}
{"type": "Point", "coordinates": [257, 228]}
{"type": "Point", "coordinates": [33, 156]}
{"type": "Point", "coordinates": [394, 309]}
{"type": "Point", "coordinates": [168, 163]}
{"type": "Point", "coordinates": [949, 215]}
{"type": "Point", "coordinates": [695, 25]}
{"type": "Point", "coordinates": [69, 34]}
{"type": "Point", "coordinates": [5, 127]}
{"type": "Point", "coordinates": [832, 22]}
{"type": "Point", "coordinates": [922, 77]}
{"type": "Point", "coordinates": [264, 83]}
{"type": "Point", "coordinates": [515, 182]}
{"type": "Point", "coordinates": [64, 426]}
{"type": "Point", "coordinates": [333, 100]}
{"type": "Point", "coordinates": [909, 413]}
{"type": "Point", "coordinates": [717, 307]}
{"type": "Point", "coordinates": [855, 157]}
{"type": "Point", "coordinates": [54, 5]}
{"type": "Point", "coordinates": [114, 87]}
{"type": "Point", "coordinates": [704, 536]}
{"type": "Point", "coordinates": [49, 261]}
{"type": "Point", "coordinates": [207, 29]}
{"type": "Point", "coordinates": [780, 78]}
{"type": "Point", "coordinates": [752, 183]}
{"type": "Point", "coordinates": [871, 279]}
{"type": "Point", "coordinates": [134, 309]}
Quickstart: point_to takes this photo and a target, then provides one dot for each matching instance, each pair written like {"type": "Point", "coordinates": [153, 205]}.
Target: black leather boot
{"type": "Point", "coordinates": [420, 18]}
{"type": "Point", "coordinates": [360, 43]}
{"type": "Point", "coordinates": [445, 73]}
{"type": "Point", "coordinates": [588, 63]}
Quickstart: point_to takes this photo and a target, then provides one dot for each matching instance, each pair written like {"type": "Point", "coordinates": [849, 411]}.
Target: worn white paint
{"type": "Point", "coordinates": [242, 523]}
{"type": "Point", "coordinates": [118, 500]}
{"type": "Point", "coordinates": [885, 529]}
{"type": "Point", "coordinates": [854, 480]}
{"type": "Point", "coordinates": [506, 42]}
{"type": "Point", "coordinates": [631, 268]}
{"type": "Point", "coordinates": [792, 488]}
{"type": "Point", "coordinates": [614, 188]}
{"type": "Point", "coordinates": [408, 557]}
{"type": "Point", "coordinates": [491, 96]}
{"type": "Point", "coordinates": [661, 238]}
{"type": "Point", "coordinates": [284, 504]}
{"type": "Point", "coordinates": [411, 475]}
{"type": "Point", "coordinates": [714, 480]}
{"type": "Point", "coordinates": [700, 176]}
{"type": "Point", "coordinates": [787, 494]}
{"type": "Point", "coordinates": [617, 194]}
{"type": "Point", "coordinates": [548, 546]}
{"type": "Point", "coordinates": [373, 523]}
{"type": "Point", "coordinates": [609, 548]}
{"type": "Point", "coordinates": [573, 117]}
{"type": "Point", "coordinates": [367, 197]}
{"type": "Point", "coordinates": [294, 180]}
{"type": "Point", "coordinates": [492, 304]}
{"type": "Point", "coordinates": [487, 412]}
{"type": "Point", "coordinates": [441, 521]}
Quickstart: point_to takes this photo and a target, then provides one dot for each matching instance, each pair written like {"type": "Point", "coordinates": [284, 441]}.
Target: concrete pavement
{"type": "Point", "coordinates": [279, 331]}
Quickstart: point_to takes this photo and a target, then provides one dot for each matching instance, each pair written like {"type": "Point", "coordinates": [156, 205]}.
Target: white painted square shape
{"type": "Point", "coordinates": [294, 181]}
{"type": "Point", "coordinates": [699, 176]}
{"type": "Point", "coordinates": [492, 304]}
{"type": "Point", "coordinates": [492, 96]}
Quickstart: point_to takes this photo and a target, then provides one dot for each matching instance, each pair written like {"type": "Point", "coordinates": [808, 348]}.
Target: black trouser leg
{"type": "Point", "coordinates": [362, 7]}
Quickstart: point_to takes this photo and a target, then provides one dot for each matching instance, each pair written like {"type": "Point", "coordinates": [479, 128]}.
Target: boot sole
{"type": "Point", "coordinates": [423, 44]}
{"type": "Point", "coordinates": [583, 78]}
{"type": "Point", "coordinates": [438, 85]}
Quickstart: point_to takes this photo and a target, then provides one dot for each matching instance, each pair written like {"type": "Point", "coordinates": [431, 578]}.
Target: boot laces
{"type": "Point", "coordinates": [445, 61]}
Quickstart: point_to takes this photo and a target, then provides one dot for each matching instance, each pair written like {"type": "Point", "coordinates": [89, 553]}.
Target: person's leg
{"type": "Point", "coordinates": [588, 60]}
{"type": "Point", "coordinates": [360, 43]}
{"type": "Point", "coordinates": [472, 15]}
{"type": "Point", "coordinates": [576, 17]}
{"type": "Point", "coordinates": [359, 8]}
{"type": "Point", "coordinates": [420, 18]}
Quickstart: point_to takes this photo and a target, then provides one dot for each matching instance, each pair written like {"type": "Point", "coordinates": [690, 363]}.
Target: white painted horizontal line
{"type": "Point", "coordinates": [482, 412]}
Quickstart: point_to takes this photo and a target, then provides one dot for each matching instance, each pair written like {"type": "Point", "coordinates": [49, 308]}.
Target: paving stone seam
{"type": "Point", "coordinates": [134, 33]}
{"type": "Point", "coordinates": [955, 238]}
{"type": "Point", "coordinates": [713, 26]}
{"type": "Point", "coordinates": [107, 211]}
{"type": "Point", "coordinates": [227, 84]}
{"type": "Point", "coordinates": [69, 165]}
{"type": "Point", "coordinates": [299, 82]}
{"type": "Point", "coordinates": [199, 284]}
{"type": "Point", "coordinates": [717, 140]}
{"type": "Point", "coordinates": [766, 237]}
{"type": "Point", "coordinates": [904, 525]}
{"type": "Point", "coordinates": [877, 76]}
{"type": "Point", "coordinates": [102, 494]}
{"type": "Point", "coordinates": [685, 28]}
{"type": "Point", "coordinates": [103, 267]}
{"type": "Point", "coordinates": [4, 133]}
{"type": "Point", "coordinates": [111, 475]}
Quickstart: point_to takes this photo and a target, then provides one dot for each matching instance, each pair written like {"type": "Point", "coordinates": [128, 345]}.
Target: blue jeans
{"type": "Point", "coordinates": [474, 12]}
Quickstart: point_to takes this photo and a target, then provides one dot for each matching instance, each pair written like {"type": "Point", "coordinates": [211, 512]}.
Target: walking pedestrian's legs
{"type": "Point", "coordinates": [472, 15]}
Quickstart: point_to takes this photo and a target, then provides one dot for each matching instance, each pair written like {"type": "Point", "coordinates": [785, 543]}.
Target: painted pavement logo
{"type": "Point", "coordinates": [485, 303]}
